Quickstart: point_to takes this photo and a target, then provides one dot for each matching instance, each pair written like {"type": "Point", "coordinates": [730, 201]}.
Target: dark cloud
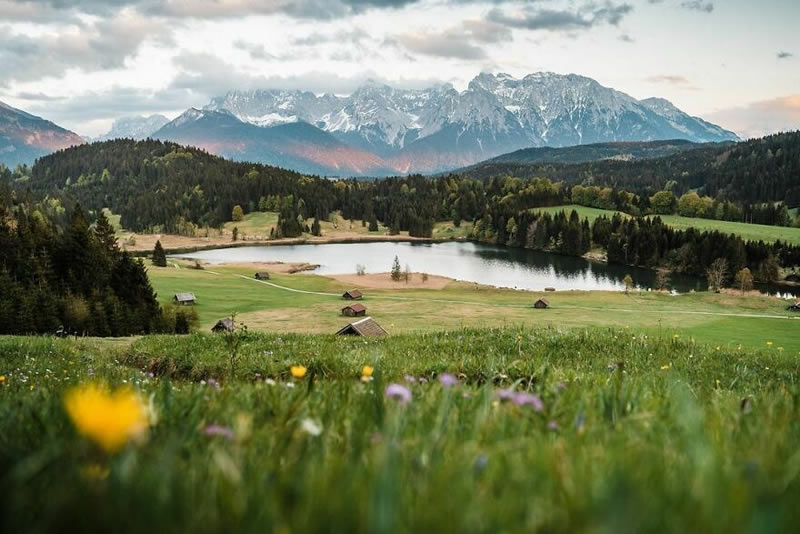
{"type": "Point", "coordinates": [586, 16]}
{"type": "Point", "coordinates": [698, 5]}
{"type": "Point", "coordinates": [784, 55]}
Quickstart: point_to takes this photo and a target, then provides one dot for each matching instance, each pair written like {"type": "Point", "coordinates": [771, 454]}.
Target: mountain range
{"type": "Point", "coordinates": [134, 127]}
{"type": "Point", "coordinates": [25, 137]}
{"type": "Point", "coordinates": [380, 130]}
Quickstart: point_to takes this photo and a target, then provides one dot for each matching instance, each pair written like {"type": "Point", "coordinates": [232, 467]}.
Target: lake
{"type": "Point", "coordinates": [466, 261]}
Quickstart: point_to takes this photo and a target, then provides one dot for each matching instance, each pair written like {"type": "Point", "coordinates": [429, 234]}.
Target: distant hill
{"type": "Point", "coordinates": [25, 137]}
{"type": "Point", "coordinates": [758, 170]}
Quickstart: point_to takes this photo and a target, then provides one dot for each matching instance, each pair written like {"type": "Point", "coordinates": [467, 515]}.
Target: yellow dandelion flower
{"type": "Point", "coordinates": [665, 367]}
{"type": "Point", "coordinates": [298, 371]}
{"type": "Point", "coordinates": [2, 379]}
{"type": "Point", "coordinates": [769, 343]}
{"type": "Point", "coordinates": [367, 370]}
{"type": "Point", "coordinates": [110, 419]}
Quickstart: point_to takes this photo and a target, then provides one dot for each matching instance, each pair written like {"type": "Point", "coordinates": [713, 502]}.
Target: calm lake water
{"type": "Point", "coordinates": [466, 261]}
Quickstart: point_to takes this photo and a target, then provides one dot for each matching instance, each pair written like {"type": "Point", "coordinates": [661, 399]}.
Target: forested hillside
{"type": "Point", "coordinates": [760, 170]}
{"type": "Point", "coordinates": [165, 187]}
{"type": "Point", "coordinates": [58, 271]}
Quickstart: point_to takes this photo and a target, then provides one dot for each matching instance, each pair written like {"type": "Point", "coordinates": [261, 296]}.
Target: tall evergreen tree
{"type": "Point", "coordinates": [159, 256]}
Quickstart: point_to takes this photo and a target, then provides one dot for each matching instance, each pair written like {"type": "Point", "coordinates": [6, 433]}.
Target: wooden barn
{"type": "Point", "coordinates": [541, 304]}
{"type": "Point", "coordinates": [794, 307]}
{"type": "Point", "coordinates": [224, 325]}
{"type": "Point", "coordinates": [353, 294]}
{"type": "Point", "coordinates": [366, 327]}
{"type": "Point", "coordinates": [354, 310]}
{"type": "Point", "coordinates": [184, 299]}
{"type": "Point", "coordinates": [262, 276]}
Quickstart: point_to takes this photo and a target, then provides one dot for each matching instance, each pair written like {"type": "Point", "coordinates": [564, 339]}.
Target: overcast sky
{"type": "Point", "coordinates": [83, 63]}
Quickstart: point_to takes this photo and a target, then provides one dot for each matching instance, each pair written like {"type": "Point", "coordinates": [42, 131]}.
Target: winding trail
{"type": "Point", "coordinates": [495, 305]}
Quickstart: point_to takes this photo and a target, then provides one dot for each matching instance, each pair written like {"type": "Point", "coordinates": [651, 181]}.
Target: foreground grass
{"type": "Point", "coordinates": [637, 434]}
{"type": "Point", "coordinates": [724, 320]}
{"type": "Point", "coordinates": [748, 232]}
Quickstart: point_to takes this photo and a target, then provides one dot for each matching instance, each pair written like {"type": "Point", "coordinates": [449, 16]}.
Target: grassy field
{"type": "Point", "coordinates": [750, 232]}
{"type": "Point", "coordinates": [726, 320]}
{"type": "Point", "coordinates": [603, 431]}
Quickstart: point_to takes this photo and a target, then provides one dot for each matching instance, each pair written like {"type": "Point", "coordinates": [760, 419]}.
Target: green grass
{"type": "Point", "coordinates": [636, 434]}
{"type": "Point", "coordinates": [727, 320]}
{"type": "Point", "coordinates": [260, 224]}
{"type": "Point", "coordinates": [748, 232]}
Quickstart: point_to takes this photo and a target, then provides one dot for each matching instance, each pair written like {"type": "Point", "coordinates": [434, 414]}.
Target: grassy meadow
{"type": "Point", "coordinates": [491, 430]}
{"type": "Point", "coordinates": [748, 232]}
{"type": "Point", "coordinates": [306, 303]}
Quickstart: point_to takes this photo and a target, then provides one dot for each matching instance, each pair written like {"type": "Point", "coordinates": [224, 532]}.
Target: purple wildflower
{"type": "Point", "coordinates": [410, 379]}
{"type": "Point", "coordinates": [219, 430]}
{"type": "Point", "coordinates": [529, 399]}
{"type": "Point", "coordinates": [447, 380]}
{"type": "Point", "coordinates": [552, 426]}
{"type": "Point", "coordinates": [506, 394]}
{"type": "Point", "coordinates": [213, 383]}
{"type": "Point", "coordinates": [399, 393]}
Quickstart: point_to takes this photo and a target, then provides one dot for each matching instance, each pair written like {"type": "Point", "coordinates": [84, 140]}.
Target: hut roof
{"type": "Point", "coordinates": [184, 297]}
{"type": "Point", "coordinates": [353, 294]}
{"type": "Point", "coordinates": [264, 274]}
{"type": "Point", "coordinates": [366, 327]}
{"type": "Point", "coordinates": [358, 308]}
{"type": "Point", "coordinates": [226, 324]}
{"type": "Point", "coordinates": [543, 301]}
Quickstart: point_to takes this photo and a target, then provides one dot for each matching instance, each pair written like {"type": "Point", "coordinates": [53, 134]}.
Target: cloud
{"type": "Point", "coordinates": [675, 80]}
{"type": "Point", "coordinates": [761, 118]}
{"type": "Point", "coordinates": [459, 42]}
{"type": "Point", "coordinates": [784, 55]}
{"type": "Point", "coordinates": [104, 45]}
{"type": "Point", "coordinates": [625, 38]}
{"type": "Point", "coordinates": [584, 17]}
{"type": "Point", "coordinates": [698, 5]}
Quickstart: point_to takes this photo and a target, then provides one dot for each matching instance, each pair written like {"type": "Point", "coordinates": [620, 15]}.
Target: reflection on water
{"type": "Point", "coordinates": [470, 262]}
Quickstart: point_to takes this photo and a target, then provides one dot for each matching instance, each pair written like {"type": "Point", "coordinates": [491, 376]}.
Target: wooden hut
{"type": "Point", "coordinates": [224, 325]}
{"type": "Point", "coordinates": [541, 304]}
{"type": "Point", "coordinates": [353, 294]}
{"type": "Point", "coordinates": [366, 327]}
{"type": "Point", "coordinates": [550, 289]}
{"type": "Point", "coordinates": [262, 276]}
{"type": "Point", "coordinates": [184, 299]}
{"type": "Point", "coordinates": [794, 307]}
{"type": "Point", "coordinates": [354, 310]}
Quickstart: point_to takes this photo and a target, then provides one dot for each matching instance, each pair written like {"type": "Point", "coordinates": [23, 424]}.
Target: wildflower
{"type": "Point", "coordinates": [311, 427]}
{"type": "Point", "coordinates": [399, 393]}
{"type": "Point", "coordinates": [529, 399]}
{"type": "Point", "coordinates": [298, 371]}
{"type": "Point", "coordinates": [676, 336]}
{"type": "Point", "coordinates": [219, 430]}
{"type": "Point", "coordinates": [109, 419]}
{"type": "Point", "coordinates": [269, 381]}
{"type": "Point", "coordinates": [2, 379]}
{"type": "Point", "coordinates": [665, 367]}
{"type": "Point", "coordinates": [410, 379]}
{"type": "Point", "coordinates": [447, 380]}
{"type": "Point", "coordinates": [769, 343]}
{"type": "Point", "coordinates": [506, 394]}
{"type": "Point", "coordinates": [367, 370]}
{"type": "Point", "coordinates": [552, 426]}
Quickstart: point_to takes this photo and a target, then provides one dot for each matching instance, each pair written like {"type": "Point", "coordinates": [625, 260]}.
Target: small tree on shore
{"type": "Point", "coordinates": [717, 273]}
{"type": "Point", "coordinates": [316, 229]}
{"type": "Point", "coordinates": [373, 223]}
{"type": "Point", "coordinates": [424, 278]}
{"type": "Point", "coordinates": [361, 270]}
{"type": "Point", "coordinates": [159, 256]}
{"type": "Point", "coordinates": [744, 280]}
{"type": "Point", "coordinates": [407, 273]}
{"type": "Point", "coordinates": [237, 214]}
{"type": "Point", "coordinates": [396, 269]}
{"type": "Point", "coordinates": [662, 279]}
{"type": "Point", "coordinates": [235, 233]}
{"type": "Point", "coordinates": [628, 281]}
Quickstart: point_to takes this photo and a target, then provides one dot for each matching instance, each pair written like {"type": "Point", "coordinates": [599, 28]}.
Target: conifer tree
{"type": "Point", "coordinates": [396, 274]}
{"type": "Point", "coordinates": [159, 256]}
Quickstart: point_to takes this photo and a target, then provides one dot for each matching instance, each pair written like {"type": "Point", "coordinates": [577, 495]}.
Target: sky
{"type": "Point", "coordinates": [84, 63]}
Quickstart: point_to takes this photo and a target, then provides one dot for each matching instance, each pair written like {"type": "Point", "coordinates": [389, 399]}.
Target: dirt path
{"type": "Point", "coordinates": [567, 307]}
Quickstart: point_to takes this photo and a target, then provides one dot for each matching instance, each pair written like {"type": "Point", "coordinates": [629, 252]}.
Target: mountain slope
{"type": "Point", "coordinates": [297, 146]}
{"type": "Point", "coordinates": [25, 137]}
{"type": "Point", "coordinates": [134, 127]}
{"type": "Point", "coordinates": [441, 128]}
